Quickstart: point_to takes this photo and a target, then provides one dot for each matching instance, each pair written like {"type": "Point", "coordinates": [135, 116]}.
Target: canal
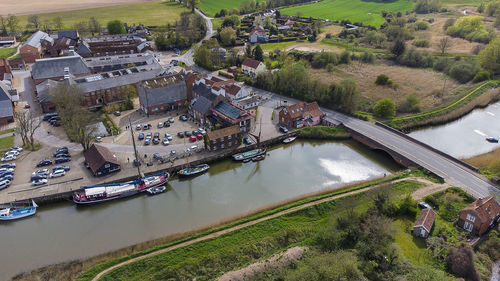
{"type": "Point", "coordinates": [63, 231]}
{"type": "Point", "coordinates": [465, 137]}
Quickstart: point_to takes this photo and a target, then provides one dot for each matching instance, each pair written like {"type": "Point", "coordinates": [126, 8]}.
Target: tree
{"type": "Point", "coordinates": [27, 125]}
{"type": "Point", "coordinates": [248, 51]}
{"type": "Point", "coordinates": [58, 23]}
{"type": "Point", "coordinates": [267, 22]}
{"type": "Point", "coordinates": [202, 57]}
{"type": "Point", "coordinates": [398, 47]}
{"type": "Point", "coordinates": [489, 57]}
{"type": "Point", "coordinates": [94, 26]}
{"type": "Point", "coordinates": [12, 23]}
{"type": "Point", "coordinates": [349, 98]}
{"type": "Point", "coordinates": [193, 4]}
{"type": "Point", "coordinates": [115, 27]}
{"type": "Point", "coordinates": [460, 261]}
{"type": "Point", "coordinates": [82, 27]}
{"type": "Point", "coordinates": [227, 36]}
{"type": "Point", "coordinates": [444, 44]}
{"type": "Point", "coordinates": [385, 108]}
{"type": "Point", "coordinates": [34, 22]}
{"type": "Point", "coordinates": [258, 54]}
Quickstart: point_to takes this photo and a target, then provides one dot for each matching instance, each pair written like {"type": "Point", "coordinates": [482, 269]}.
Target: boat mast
{"type": "Point", "coordinates": [137, 162]}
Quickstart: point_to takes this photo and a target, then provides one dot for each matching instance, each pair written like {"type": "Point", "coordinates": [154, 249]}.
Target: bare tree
{"type": "Point", "coordinates": [58, 23]}
{"type": "Point", "coordinates": [94, 26]}
{"type": "Point", "coordinates": [444, 44]}
{"type": "Point", "coordinates": [34, 22]}
{"type": "Point", "coordinates": [3, 25]}
{"type": "Point", "coordinates": [12, 23]}
{"type": "Point", "coordinates": [27, 126]}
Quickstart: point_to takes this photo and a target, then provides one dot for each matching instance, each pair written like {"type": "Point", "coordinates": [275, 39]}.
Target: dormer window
{"type": "Point", "coordinates": [471, 218]}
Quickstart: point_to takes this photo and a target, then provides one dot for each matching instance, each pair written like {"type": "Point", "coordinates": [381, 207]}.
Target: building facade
{"type": "Point", "coordinates": [424, 223]}
{"type": "Point", "coordinates": [101, 161]}
{"type": "Point", "coordinates": [224, 138]}
{"type": "Point", "coordinates": [479, 216]}
{"type": "Point", "coordinates": [252, 67]}
{"type": "Point", "coordinates": [300, 115]}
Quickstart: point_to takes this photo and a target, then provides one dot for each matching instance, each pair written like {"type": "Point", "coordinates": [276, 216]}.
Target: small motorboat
{"type": "Point", "coordinates": [194, 171]}
{"type": "Point", "coordinates": [13, 212]}
{"type": "Point", "coordinates": [289, 140]}
{"type": "Point", "coordinates": [156, 190]}
{"type": "Point", "coordinates": [492, 139]}
{"type": "Point", "coordinates": [258, 158]}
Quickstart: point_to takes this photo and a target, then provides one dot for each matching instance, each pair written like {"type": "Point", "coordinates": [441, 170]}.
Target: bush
{"type": "Point", "coordinates": [442, 64]}
{"type": "Point", "coordinates": [411, 104]}
{"type": "Point", "coordinates": [422, 25]}
{"type": "Point", "coordinates": [383, 79]}
{"type": "Point", "coordinates": [422, 43]}
{"type": "Point", "coordinates": [460, 261]}
{"type": "Point", "coordinates": [345, 57]}
{"type": "Point", "coordinates": [367, 57]}
{"type": "Point", "coordinates": [471, 28]}
{"type": "Point", "coordinates": [481, 76]}
{"type": "Point", "coordinates": [414, 58]}
{"type": "Point", "coordinates": [385, 108]}
{"type": "Point", "coordinates": [427, 6]}
{"type": "Point", "coordinates": [322, 59]}
{"type": "Point", "coordinates": [330, 67]}
{"type": "Point", "coordinates": [463, 71]}
{"type": "Point", "coordinates": [448, 23]}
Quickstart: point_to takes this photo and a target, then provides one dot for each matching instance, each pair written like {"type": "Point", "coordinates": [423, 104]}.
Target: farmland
{"type": "Point", "coordinates": [148, 13]}
{"type": "Point", "coordinates": [367, 12]}
{"type": "Point", "coordinates": [210, 7]}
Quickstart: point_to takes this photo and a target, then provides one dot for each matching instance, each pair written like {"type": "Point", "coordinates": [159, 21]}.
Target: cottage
{"type": "Point", "coordinates": [223, 138]}
{"type": "Point", "coordinates": [258, 34]}
{"type": "Point", "coordinates": [101, 161]}
{"type": "Point", "coordinates": [252, 67]}
{"type": "Point", "coordinates": [300, 115]}
{"type": "Point", "coordinates": [162, 94]}
{"type": "Point", "coordinates": [231, 90]}
{"type": "Point", "coordinates": [424, 223]}
{"type": "Point", "coordinates": [479, 216]}
{"type": "Point", "coordinates": [228, 114]}
{"type": "Point", "coordinates": [33, 49]}
{"type": "Point", "coordinates": [6, 108]}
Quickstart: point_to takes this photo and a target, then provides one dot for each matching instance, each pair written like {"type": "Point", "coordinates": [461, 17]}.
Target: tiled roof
{"type": "Point", "coordinates": [72, 34]}
{"type": "Point", "coordinates": [259, 31]}
{"type": "Point", "coordinates": [97, 155]}
{"type": "Point", "coordinates": [426, 219]}
{"type": "Point", "coordinates": [229, 131]}
{"type": "Point", "coordinates": [202, 105]}
{"type": "Point", "coordinates": [251, 63]}
{"type": "Point", "coordinates": [36, 38]}
{"type": "Point", "coordinates": [296, 110]}
{"type": "Point", "coordinates": [54, 67]}
{"type": "Point", "coordinates": [6, 109]}
{"type": "Point", "coordinates": [314, 110]}
{"type": "Point", "coordinates": [486, 208]}
{"type": "Point", "coordinates": [161, 90]}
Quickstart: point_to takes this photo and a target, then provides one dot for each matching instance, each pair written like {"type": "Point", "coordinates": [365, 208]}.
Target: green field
{"type": "Point", "coordinates": [6, 143]}
{"type": "Point", "coordinates": [148, 13]}
{"type": "Point", "coordinates": [211, 7]}
{"type": "Point", "coordinates": [367, 12]}
{"type": "Point", "coordinates": [7, 52]}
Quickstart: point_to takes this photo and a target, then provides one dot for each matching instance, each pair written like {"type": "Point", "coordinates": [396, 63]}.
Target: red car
{"type": "Point", "coordinates": [192, 138]}
{"type": "Point", "coordinates": [199, 136]}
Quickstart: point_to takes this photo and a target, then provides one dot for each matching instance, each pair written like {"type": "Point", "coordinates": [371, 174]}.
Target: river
{"type": "Point", "coordinates": [466, 136]}
{"type": "Point", "coordinates": [62, 232]}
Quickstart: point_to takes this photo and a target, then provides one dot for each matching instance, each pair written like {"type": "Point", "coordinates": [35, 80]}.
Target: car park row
{"type": "Point", "coordinates": [40, 177]}
{"type": "Point", "coordinates": [7, 169]}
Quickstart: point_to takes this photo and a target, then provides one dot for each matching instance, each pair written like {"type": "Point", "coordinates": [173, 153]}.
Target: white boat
{"type": "Point", "coordinates": [289, 140]}
{"type": "Point", "coordinates": [14, 213]}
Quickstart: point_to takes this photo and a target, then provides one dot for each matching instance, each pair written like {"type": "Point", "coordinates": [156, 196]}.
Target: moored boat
{"type": "Point", "coordinates": [259, 158]}
{"type": "Point", "coordinates": [101, 193]}
{"type": "Point", "coordinates": [289, 140]}
{"type": "Point", "coordinates": [193, 171]}
{"type": "Point", "coordinates": [249, 154]}
{"type": "Point", "coordinates": [492, 139]}
{"type": "Point", "coordinates": [156, 190]}
{"type": "Point", "coordinates": [13, 212]}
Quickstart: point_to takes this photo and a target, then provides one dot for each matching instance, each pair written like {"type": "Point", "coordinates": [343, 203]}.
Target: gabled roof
{"type": "Point", "coordinates": [98, 155]}
{"type": "Point", "coordinates": [54, 67]}
{"type": "Point", "coordinates": [296, 110]}
{"type": "Point", "coordinates": [204, 91]}
{"type": "Point", "coordinates": [314, 110]}
{"type": "Point", "coordinates": [258, 30]}
{"type": "Point", "coordinates": [36, 39]}
{"type": "Point", "coordinates": [161, 90]}
{"type": "Point", "coordinates": [6, 109]}
{"type": "Point", "coordinates": [252, 63]}
{"type": "Point", "coordinates": [485, 208]}
{"type": "Point", "coordinates": [202, 105]}
{"type": "Point", "coordinates": [71, 34]}
{"type": "Point", "coordinates": [229, 131]}
{"type": "Point", "coordinates": [83, 49]}
{"type": "Point", "coordinates": [426, 219]}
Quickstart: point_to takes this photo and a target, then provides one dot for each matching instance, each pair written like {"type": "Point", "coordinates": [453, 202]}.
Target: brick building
{"type": "Point", "coordinates": [162, 94]}
{"type": "Point", "coordinates": [228, 114]}
{"type": "Point", "coordinates": [34, 47]}
{"type": "Point", "coordinates": [4, 67]}
{"type": "Point", "coordinates": [101, 161]}
{"type": "Point", "coordinates": [106, 45]}
{"type": "Point", "coordinates": [223, 138]}
{"type": "Point", "coordinates": [479, 216]}
{"type": "Point", "coordinates": [300, 115]}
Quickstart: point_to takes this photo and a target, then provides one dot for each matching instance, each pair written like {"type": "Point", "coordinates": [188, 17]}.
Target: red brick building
{"type": "Point", "coordinates": [107, 45]}
{"type": "Point", "coordinates": [33, 49]}
{"type": "Point", "coordinates": [163, 93]}
{"type": "Point", "coordinates": [300, 115]}
{"type": "Point", "coordinates": [479, 216]}
{"type": "Point", "coordinates": [223, 138]}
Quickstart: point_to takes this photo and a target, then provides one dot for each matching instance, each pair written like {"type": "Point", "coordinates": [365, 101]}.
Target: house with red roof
{"type": "Point", "coordinates": [258, 34]}
{"type": "Point", "coordinates": [300, 115]}
{"type": "Point", "coordinates": [479, 216]}
{"type": "Point", "coordinates": [424, 223]}
{"type": "Point", "coordinates": [252, 67]}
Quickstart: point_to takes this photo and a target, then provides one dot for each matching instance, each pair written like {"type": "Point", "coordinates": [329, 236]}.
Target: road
{"type": "Point", "coordinates": [187, 58]}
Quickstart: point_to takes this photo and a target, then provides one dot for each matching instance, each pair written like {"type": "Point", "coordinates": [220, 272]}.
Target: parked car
{"type": "Point", "coordinates": [141, 136]}
{"type": "Point", "coordinates": [98, 139]}
{"type": "Point", "coordinates": [172, 152]}
{"type": "Point", "coordinates": [62, 154]}
{"type": "Point", "coordinates": [187, 133]}
{"type": "Point", "coordinates": [7, 177]}
{"type": "Point", "coordinates": [202, 131]}
{"type": "Point", "coordinates": [47, 116]}
{"type": "Point", "coordinates": [195, 132]}
{"type": "Point", "coordinates": [138, 127]}
{"type": "Point", "coordinates": [117, 113]}
{"type": "Point", "coordinates": [166, 124]}
{"type": "Point", "coordinates": [149, 135]}
{"type": "Point", "coordinates": [180, 134]}
{"type": "Point", "coordinates": [157, 156]}
{"type": "Point", "coordinates": [247, 141]}
{"type": "Point", "coordinates": [11, 152]}
{"type": "Point", "coordinates": [283, 129]}
{"type": "Point", "coordinates": [38, 182]}
{"type": "Point", "coordinates": [2, 170]}
{"type": "Point", "coordinates": [65, 168]}
{"type": "Point", "coordinates": [62, 159]}
{"type": "Point", "coordinates": [6, 173]}
{"type": "Point", "coordinates": [54, 118]}
{"type": "Point", "coordinates": [165, 141]}
{"type": "Point", "coordinates": [192, 138]}
{"type": "Point", "coordinates": [199, 136]}
{"type": "Point", "coordinates": [156, 135]}
{"type": "Point", "coordinates": [168, 136]}
{"type": "Point", "coordinates": [423, 205]}
{"type": "Point", "coordinates": [194, 148]}
{"type": "Point", "coordinates": [147, 142]}
{"type": "Point", "coordinates": [61, 149]}
{"type": "Point", "coordinates": [160, 125]}
{"type": "Point", "coordinates": [41, 172]}
{"type": "Point", "coordinates": [171, 120]}
{"type": "Point", "coordinates": [17, 148]}
{"type": "Point", "coordinates": [55, 123]}
{"type": "Point", "coordinates": [4, 184]}
{"type": "Point", "coordinates": [38, 177]}
{"type": "Point", "coordinates": [8, 165]}
{"type": "Point", "coordinates": [183, 118]}
{"type": "Point", "coordinates": [156, 141]}
{"type": "Point", "coordinates": [8, 158]}
{"type": "Point", "coordinates": [145, 127]}
{"type": "Point", "coordinates": [57, 173]}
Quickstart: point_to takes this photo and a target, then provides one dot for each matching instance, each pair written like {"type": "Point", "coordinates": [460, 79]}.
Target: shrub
{"type": "Point", "coordinates": [385, 108]}
{"type": "Point", "coordinates": [345, 57]}
{"type": "Point", "coordinates": [460, 261]}
{"type": "Point", "coordinates": [414, 58]}
{"type": "Point", "coordinates": [322, 59]}
{"type": "Point", "coordinates": [330, 67]}
{"type": "Point", "coordinates": [422, 25]}
{"type": "Point", "coordinates": [442, 64]}
{"type": "Point", "coordinates": [368, 57]}
{"type": "Point", "coordinates": [411, 104]}
{"type": "Point", "coordinates": [478, 48]}
{"type": "Point", "coordinates": [463, 71]}
{"type": "Point", "coordinates": [382, 79]}
{"type": "Point", "coordinates": [422, 43]}
{"type": "Point", "coordinates": [481, 76]}
{"type": "Point", "coordinates": [448, 23]}
{"type": "Point", "coordinates": [427, 6]}
{"type": "Point", "coordinates": [470, 28]}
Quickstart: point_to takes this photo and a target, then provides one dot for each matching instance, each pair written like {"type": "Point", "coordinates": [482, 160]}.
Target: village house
{"type": "Point", "coordinates": [424, 223]}
{"type": "Point", "coordinates": [106, 45]}
{"type": "Point", "coordinates": [162, 94]}
{"type": "Point", "coordinates": [258, 35]}
{"type": "Point", "coordinates": [227, 115]}
{"type": "Point", "coordinates": [101, 161]}
{"type": "Point", "coordinates": [6, 106]}
{"type": "Point", "coordinates": [479, 216]}
{"type": "Point", "coordinates": [300, 115]}
{"type": "Point", "coordinates": [231, 90]}
{"type": "Point", "coordinates": [229, 137]}
{"type": "Point", "coordinates": [17, 64]}
{"type": "Point", "coordinates": [34, 47]}
{"type": "Point", "coordinates": [252, 67]}
{"type": "Point", "coordinates": [248, 103]}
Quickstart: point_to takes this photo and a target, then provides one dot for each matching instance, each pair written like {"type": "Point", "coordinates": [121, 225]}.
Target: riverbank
{"type": "Point", "coordinates": [483, 161]}
{"type": "Point", "coordinates": [323, 133]}
{"type": "Point", "coordinates": [68, 271]}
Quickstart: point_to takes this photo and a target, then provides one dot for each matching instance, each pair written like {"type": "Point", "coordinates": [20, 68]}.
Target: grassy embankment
{"type": "Point", "coordinates": [483, 162]}
{"type": "Point", "coordinates": [7, 52]}
{"type": "Point", "coordinates": [323, 133]}
{"type": "Point", "coordinates": [110, 259]}
{"type": "Point", "coordinates": [149, 13]}
{"type": "Point", "coordinates": [367, 12]}
{"type": "Point", "coordinates": [208, 259]}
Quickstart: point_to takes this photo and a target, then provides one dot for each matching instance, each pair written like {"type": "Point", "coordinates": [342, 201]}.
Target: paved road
{"type": "Point", "coordinates": [187, 58]}
{"type": "Point", "coordinates": [453, 173]}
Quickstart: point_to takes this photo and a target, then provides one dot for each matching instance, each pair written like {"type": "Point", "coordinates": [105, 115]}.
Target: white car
{"type": "Point", "coordinates": [6, 170]}
{"type": "Point", "coordinates": [12, 152]}
{"type": "Point", "coordinates": [57, 173]}
{"type": "Point", "coordinates": [41, 172]}
{"type": "Point", "coordinates": [16, 148]}
{"type": "Point", "coordinates": [98, 139]}
{"type": "Point", "coordinates": [138, 127]}
{"type": "Point", "coordinates": [8, 158]}
{"type": "Point", "coordinates": [39, 182]}
{"type": "Point", "coordinates": [202, 131]}
{"type": "Point", "coordinates": [4, 184]}
{"type": "Point", "coordinates": [160, 125]}
{"type": "Point", "coordinates": [193, 148]}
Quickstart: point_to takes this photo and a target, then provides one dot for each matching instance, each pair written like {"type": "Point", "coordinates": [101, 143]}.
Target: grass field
{"type": "Point", "coordinates": [367, 12]}
{"type": "Point", "coordinates": [149, 13]}
{"type": "Point", "coordinates": [211, 7]}
{"type": "Point", "coordinates": [6, 143]}
{"type": "Point", "coordinates": [7, 52]}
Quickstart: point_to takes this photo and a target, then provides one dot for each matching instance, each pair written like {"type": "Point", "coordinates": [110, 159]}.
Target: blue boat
{"type": "Point", "coordinates": [492, 139]}
{"type": "Point", "coordinates": [14, 213]}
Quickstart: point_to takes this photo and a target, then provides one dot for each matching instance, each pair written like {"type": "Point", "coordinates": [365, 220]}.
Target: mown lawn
{"type": "Point", "coordinates": [7, 52]}
{"type": "Point", "coordinates": [210, 258]}
{"type": "Point", "coordinates": [149, 13]}
{"type": "Point", "coordinates": [367, 12]}
{"type": "Point", "coordinates": [412, 248]}
{"type": "Point", "coordinates": [6, 143]}
{"type": "Point", "coordinates": [211, 7]}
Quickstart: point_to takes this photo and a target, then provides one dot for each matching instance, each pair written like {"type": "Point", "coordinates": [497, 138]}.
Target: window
{"type": "Point", "coordinates": [468, 226]}
{"type": "Point", "coordinates": [215, 147]}
{"type": "Point", "coordinates": [229, 137]}
{"type": "Point", "coordinates": [221, 139]}
{"type": "Point", "coordinates": [213, 141]}
{"type": "Point", "coordinates": [471, 218]}
{"type": "Point", "coordinates": [222, 146]}
{"type": "Point", "coordinates": [229, 143]}
{"type": "Point", "coordinates": [106, 166]}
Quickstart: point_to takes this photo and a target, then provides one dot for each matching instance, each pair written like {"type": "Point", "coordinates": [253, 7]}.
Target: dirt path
{"type": "Point", "coordinates": [250, 223]}
{"type": "Point", "coordinates": [429, 188]}
{"type": "Point", "coordinates": [277, 261]}
{"type": "Point", "coordinates": [495, 271]}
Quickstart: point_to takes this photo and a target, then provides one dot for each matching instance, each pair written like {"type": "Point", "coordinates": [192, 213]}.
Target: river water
{"type": "Point", "coordinates": [465, 137]}
{"type": "Point", "coordinates": [63, 231]}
